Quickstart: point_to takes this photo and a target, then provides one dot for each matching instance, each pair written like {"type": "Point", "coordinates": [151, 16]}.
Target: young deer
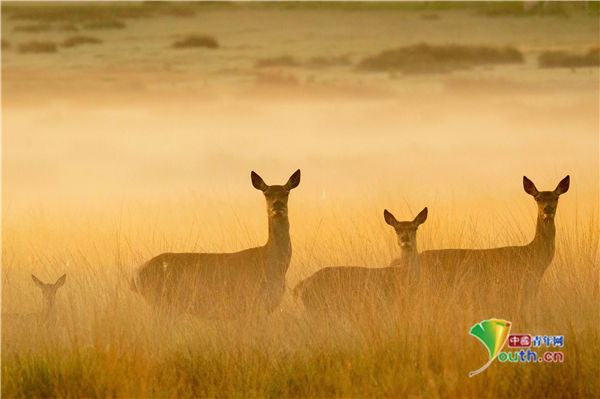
{"type": "Point", "coordinates": [225, 285]}
{"type": "Point", "coordinates": [45, 316]}
{"type": "Point", "coordinates": [355, 290]}
{"type": "Point", "coordinates": [406, 233]}
{"type": "Point", "coordinates": [514, 270]}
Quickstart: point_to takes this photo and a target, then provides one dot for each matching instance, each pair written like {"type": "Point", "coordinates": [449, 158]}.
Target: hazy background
{"type": "Point", "coordinates": [113, 152]}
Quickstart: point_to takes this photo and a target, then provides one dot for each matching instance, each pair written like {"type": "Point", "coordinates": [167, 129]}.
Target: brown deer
{"type": "Point", "coordinates": [46, 315]}
{"type": "Point", "coordinates": [514, 271]}
{"type": "Point", "coordinates": [355, 290]}
{"type": "Point", "coordinates": [225, 285]}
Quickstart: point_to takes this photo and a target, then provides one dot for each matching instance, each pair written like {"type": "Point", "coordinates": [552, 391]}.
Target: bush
{"type": "Point", "coordinates": [37, 47]}
{"type": "Point", "coordinates": [107, 24]}
{"type": "Point", "coordinates": [422, 58]}
{"type": "Point", "coordinates": [79, 40]}
{"type": "Point", "coordinates": [563, 59]}
{"type": "Point", "coordinates": [32, 28]}
{"type": "Point", "coordinates": [322, 62]}
{"type": "Point", "coordinates": [281, 61]}
{"type": "Point", "coordinates": [197, 41]}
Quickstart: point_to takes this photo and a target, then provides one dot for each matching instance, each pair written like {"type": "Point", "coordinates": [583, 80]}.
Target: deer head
{"type": "Point", "coordinates": [406, 231]}
{"type": "Point", "coordinates": [547, 201]}
{"type": "Point", "coordinates": [276, 195]}
{"type": "Point", "coordinates": [49, 291]}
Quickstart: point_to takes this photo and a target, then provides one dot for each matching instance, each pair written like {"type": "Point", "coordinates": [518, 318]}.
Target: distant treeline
{"type": "Point", "coordinates": [70, 11]}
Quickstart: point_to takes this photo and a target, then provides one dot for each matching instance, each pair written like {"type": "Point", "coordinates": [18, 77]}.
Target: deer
{"type": "Point", "coordinates": [514, 271]}
{"type": "Point", "coordinates": [225, 285]}
{"type": "Point", "coordinates": [356, 290]}
{"type": "Point", "coordinates": [47, 314]}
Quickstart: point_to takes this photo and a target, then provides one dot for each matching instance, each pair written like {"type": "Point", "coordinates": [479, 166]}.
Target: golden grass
{"type": "Point", "coordinates": [108, 343]}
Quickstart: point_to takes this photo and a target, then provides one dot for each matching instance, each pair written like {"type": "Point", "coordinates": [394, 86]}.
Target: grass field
{"type": "Point", "coordinates": [116, 151]}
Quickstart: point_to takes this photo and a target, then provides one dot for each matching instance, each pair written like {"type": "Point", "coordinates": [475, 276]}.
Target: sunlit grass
{"type": "Point", "coordinates": [108, 343]}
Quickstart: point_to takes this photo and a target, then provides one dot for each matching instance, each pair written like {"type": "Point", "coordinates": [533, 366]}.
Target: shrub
{"type": "Point", "coordinates": [32, 28]}
{"type": "Point", "coordinates": [37, 47]}
{"type": "Point", "coordinates": [106, 24]}
{"type": "Point", "coordinates": [321, 62]}
{"type": "Point", "coordinates": [421, 58]}
{"type": "Point", "coordinates": [68, 27]}
{"type": "Point", "coordinates": [563, 59]}
{"type": "Point", "coordinates": [79, 40]}
{"type": "Point", "coordinates": [281, 61]}
{"type": "Point", "coordinates": [197, 41]}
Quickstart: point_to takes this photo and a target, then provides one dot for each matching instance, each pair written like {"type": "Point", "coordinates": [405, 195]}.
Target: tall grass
{"type": "Point", "coordinates": [108, 343]}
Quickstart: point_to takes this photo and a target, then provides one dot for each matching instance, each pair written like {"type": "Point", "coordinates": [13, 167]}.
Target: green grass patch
{"type": "Point", "coordinates": [426, 58]}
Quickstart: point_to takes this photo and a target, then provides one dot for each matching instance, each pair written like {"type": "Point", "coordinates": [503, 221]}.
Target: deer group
{"type": "Point", "coordinates": [251, 282]}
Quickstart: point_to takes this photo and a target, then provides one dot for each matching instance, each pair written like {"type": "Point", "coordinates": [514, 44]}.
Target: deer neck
{"type": "Point", "coordinates": [543, 242]}
{"type": "Point", "coordinates": [279, 235]}
{"type": "Point", "coordinates": [47, 310]}
{"type": "Point", "coordinates": [408, 255]}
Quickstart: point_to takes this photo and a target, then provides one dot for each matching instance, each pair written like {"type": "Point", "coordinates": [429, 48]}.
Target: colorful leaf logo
{"type": "Point", "coordinates": [493, 333]}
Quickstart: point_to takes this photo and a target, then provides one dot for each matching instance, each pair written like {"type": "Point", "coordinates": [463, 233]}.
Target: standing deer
{"type": "Point", "coordinates": [47, 313]}
{"type": "Point", "coordinates": [355, 290]}
{"type": "Point", "coordinates": [512, 271]}
{"type": "Point", "coordinates": [225, 285]}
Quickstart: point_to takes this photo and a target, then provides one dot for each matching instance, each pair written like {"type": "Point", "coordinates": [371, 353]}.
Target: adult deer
{"type": "Point", "coordinates": [354, 290]}
{"type": "Point", "coordinates": [46, 315]}
{"type": "Point", "coordinates": [226, 285]}
{"type": "Point", "coordinates": [511, 271]}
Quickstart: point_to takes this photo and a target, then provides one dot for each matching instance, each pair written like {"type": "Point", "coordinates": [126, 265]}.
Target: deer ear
{"type": "Point", "coordinates": [61, 280]}
{"type": "Point", "coordinates": [563, 186]}
{"type": "Point", "coordinates": [258, 182]}
{"type": "Point", "coordinates": [421, 217]}
{"type": "Point", "coordinates": [37, 281]}
{"type": "Point", "coordinates": [529, 187]}
{"type": "Point", "coordinates": [389, 218]}
{"type": "Point", "coordinates": [293, 181]}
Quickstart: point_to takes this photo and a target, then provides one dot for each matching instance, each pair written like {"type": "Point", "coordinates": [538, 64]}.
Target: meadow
{"type": "Point", "coordinates": [123, 145]}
